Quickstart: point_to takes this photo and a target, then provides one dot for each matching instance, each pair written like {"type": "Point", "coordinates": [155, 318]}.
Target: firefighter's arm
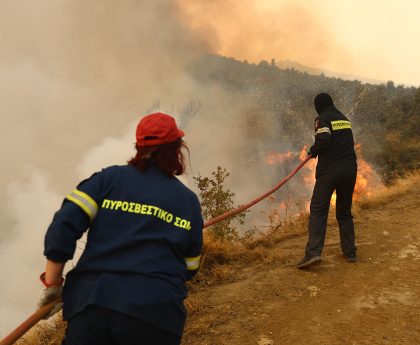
{"type": "Point", "coordinates": [75, 216]}
{"type": "Point", "coordinates": [54, 273]}
{"type": "Point", "coordinates": [68, 225]}
{"type": "Point", "coordinates": [322, 136]}
{"type": "Point", "coordinates": [192, 255]}
{"type": "Point", "coordinates": [53, 281]}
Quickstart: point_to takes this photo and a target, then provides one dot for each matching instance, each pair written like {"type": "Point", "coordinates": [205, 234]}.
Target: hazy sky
{"type": "Point", "coordinates": [370, 38]}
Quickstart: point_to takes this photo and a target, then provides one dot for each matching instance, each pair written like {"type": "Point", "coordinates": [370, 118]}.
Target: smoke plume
{"type": "Point", "coordinates": [77, 76]}
{"type": "Point", "coordinates": [260, 30]}
{"type": "Point", "coordinates": [74, 77]}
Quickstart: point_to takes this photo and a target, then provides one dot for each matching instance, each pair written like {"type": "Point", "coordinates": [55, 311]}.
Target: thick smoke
{"type": "Point", "coordinates": [30, 204]}
{"type": "Point", "coordinates": [73, 74]}
{"type": "Point", "coordinates": [75, 79]}
{"type": "Point", "coordinates": [259, 30]}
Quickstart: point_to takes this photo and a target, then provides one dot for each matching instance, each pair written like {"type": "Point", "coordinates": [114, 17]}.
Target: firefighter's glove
{"type": "Point", "coordinates": [309, 153]}
{"type": "Point", "coordinates": [49, 294]}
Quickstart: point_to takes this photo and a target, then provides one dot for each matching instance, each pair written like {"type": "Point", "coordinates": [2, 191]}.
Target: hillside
{"type": "Point", "coordinates": [375, 301]}
{"type": "Point", "coordinates": [275, 106]}
{"type": "Point", "coordinates": [287, 64]}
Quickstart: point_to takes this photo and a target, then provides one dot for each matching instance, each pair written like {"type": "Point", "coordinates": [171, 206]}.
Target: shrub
{"type": "Point", "coordinates": [216, 200]}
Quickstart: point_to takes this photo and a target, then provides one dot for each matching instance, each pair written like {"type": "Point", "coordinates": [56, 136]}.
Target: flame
{"type": "Point", "coordinates": [367, 179]}
{"type": "Point", "coordinates": [333, 199]}
{"type": "Point", "coordinates": [308, 171]}
{"type": "Point", "coordinates": [276, 157]}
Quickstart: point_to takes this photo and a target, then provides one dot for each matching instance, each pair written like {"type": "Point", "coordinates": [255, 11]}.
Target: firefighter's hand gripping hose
{"type": "Point", "coordinates": [45, 310]}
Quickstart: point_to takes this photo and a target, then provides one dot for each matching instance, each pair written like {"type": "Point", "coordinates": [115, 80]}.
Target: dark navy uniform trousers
{"type": "Point", "coordinates": [99, 326]}
{"type": "Point", "coordinates": [343, 183]}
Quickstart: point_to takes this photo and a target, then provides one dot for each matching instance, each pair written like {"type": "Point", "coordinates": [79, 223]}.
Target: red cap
{"type": "Point", "coordinates": [157, 129]}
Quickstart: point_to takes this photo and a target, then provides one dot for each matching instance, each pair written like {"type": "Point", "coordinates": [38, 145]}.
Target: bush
{"type": "Point", "coordinates": [216, 200]}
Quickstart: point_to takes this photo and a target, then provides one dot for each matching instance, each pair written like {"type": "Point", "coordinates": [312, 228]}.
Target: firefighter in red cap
{"type": "Point", "coordinates": [144, 242]}
{"type": "Point", "coordinates": [336, 170]}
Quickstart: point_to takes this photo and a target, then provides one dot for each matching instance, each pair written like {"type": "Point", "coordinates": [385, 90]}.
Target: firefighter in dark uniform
{"type": "Point", "coordinates": [336, 171]}
{"type": "Point", "coordinates": [144, 242]}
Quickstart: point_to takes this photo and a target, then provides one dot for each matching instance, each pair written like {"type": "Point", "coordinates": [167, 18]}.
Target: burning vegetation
{"type": "Point", "coordinates": [366, 183]}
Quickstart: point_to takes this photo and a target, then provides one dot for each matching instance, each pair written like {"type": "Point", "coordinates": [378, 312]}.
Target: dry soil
{"type": "Point", "coordinates": [374, 301]}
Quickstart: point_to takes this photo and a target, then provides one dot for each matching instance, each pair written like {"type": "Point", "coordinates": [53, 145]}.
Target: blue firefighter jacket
{"type": "Point", "coordinates": [144, 242]}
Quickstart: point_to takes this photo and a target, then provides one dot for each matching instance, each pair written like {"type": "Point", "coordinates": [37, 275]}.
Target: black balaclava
{"type": "Point", "coordinates": [322, 101]}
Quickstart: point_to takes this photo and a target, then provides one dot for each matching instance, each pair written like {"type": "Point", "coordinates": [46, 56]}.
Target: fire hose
{"type": "Point", "coordinates": [43, 311]}
{"type": "Point", "coordinates": [253, 202]}
{"type": "Point", "coordinates": [29, 323]}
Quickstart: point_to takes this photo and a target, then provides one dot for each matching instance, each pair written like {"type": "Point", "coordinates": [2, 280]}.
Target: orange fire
{"type": "Point", "coordinates": [308, 171]}
{"type": "Point", "coordinates": [367, 180]}
{"type": "Point", "coordinates": [275, 157]}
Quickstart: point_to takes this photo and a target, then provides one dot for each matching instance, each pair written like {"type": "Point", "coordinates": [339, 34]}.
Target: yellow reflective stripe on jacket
{"type": "Point", "coordinates": [193, 263]}
{"type": "Point", "coordinates": [323, 130]}
{"type": "Point", "coordinates": [341, 124]}
{"type": "Point", "coordinates": [85, 202]}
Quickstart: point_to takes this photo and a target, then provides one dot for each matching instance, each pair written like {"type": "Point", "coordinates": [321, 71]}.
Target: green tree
{"type": "Point", "coordinates": [216, 200]}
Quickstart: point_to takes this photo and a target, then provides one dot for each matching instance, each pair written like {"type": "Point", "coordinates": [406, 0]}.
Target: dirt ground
{"type": "Point", "coordinates": [374, 301]}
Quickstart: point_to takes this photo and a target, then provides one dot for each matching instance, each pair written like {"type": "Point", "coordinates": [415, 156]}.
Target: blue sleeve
{"type": "Point", "coordinates": [193, 253]}
{"type": "Point", "coordinates": [77, 212]}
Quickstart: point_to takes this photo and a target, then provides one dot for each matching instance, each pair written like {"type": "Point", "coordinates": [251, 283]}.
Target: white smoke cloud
{"type": "Point", "coordinates": [110, 151]}
{"type": "Point", "coordinates": [30, 204]}
{"type": "Point", "coordinates": [75, 80]}
{"type": "Point", "coordinates": [74, 77]}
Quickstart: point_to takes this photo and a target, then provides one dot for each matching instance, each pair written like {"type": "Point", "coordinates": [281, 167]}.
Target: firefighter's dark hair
{"type": "Point", "coordinates": [168, 157]}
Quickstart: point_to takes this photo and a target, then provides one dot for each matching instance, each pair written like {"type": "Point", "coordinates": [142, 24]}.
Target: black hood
{"type": "Point", "coordinates": [322, 101]}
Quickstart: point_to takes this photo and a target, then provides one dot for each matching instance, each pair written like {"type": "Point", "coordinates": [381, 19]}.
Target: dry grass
{"type": "Point", "coordinates": [49, 332]}
{"type": "Point", "coordinates": [288, 228]}
{"type": "Point", "coordinates": [383, 195]}
{"type": "Point", "coordinates": [203, 319]}
{"type": "Point", "coordinates": [224, 261]}
{"type": "Point", "coordinates": [202, 324]}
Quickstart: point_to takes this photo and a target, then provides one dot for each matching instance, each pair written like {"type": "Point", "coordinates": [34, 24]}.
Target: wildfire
{"type": "Point", "coordinates": [308, 171]}
{"type": "Point", "coordinates": [367, 180]}
{"type": "Point", "coordinates": [275, 157]}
